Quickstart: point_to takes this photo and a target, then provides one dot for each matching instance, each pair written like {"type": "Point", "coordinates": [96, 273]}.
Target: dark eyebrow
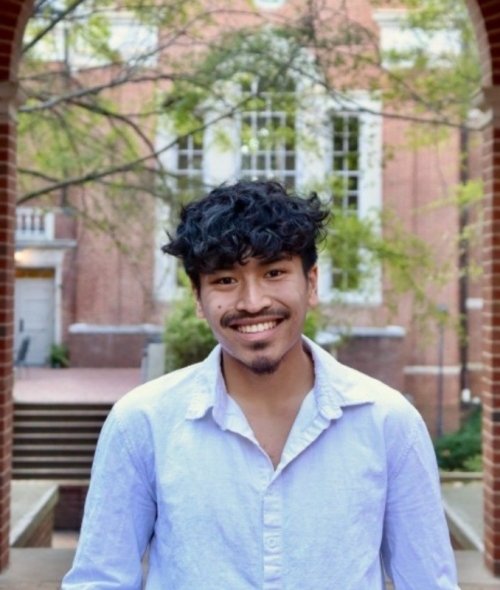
{"type": "Point", "coordinates": [278, 258]}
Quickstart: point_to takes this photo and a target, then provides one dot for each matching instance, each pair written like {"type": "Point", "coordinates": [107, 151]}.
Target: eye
{"type": "Point", "coordinates": [275, 272]}
{"type": "Point", "coordinates": [224, 281]}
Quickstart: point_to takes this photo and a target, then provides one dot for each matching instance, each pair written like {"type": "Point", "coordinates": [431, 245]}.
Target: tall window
{"type": "Point", "coordinates": [268, 133]}
{"type": "Point", "coordinates": [346, 193]}
{"type": "Point", "coordinates": [190, 162]}
{"type": "Point", "coordinates": [345, 161]}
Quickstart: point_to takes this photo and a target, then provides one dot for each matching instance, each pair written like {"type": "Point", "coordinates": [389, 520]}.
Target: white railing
{"type": "Point", "coordinates": [34, 225]}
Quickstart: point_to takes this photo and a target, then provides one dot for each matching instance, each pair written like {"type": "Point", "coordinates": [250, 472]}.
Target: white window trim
{"type": "Point", "coordinates": [313, 165]}
{"type": "Point", "coordinates": [396, 35]}
{"type": "Point", "coordinates": [221, 164]}
{"type": "Point", "coordinates": [133, 40]}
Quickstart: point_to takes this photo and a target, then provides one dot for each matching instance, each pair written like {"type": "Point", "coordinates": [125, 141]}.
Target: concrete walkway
{"type": "Point", "coordinates": [43, 385]}
{"type": "Point", "coordinates": [43, 569]}
{"type": "Point", "coordinates": [463, 505]}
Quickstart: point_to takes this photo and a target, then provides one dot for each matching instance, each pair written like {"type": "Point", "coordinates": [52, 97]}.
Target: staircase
{"type": "Point", "coordinates": [55, 441]}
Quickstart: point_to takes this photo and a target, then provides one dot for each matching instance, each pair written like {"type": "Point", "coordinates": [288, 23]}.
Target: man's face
{"type": "Point", "coordinates": [256, 310]}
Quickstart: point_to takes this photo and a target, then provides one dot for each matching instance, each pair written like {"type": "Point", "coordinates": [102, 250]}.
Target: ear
{"type": "Point", "coordinates": [312, 286]}
{"type": "Point", "coordinates": [199, 309]}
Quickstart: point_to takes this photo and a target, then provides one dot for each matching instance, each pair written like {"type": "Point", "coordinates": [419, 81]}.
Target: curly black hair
{"type": "Point", "coordinates": [247, 219]}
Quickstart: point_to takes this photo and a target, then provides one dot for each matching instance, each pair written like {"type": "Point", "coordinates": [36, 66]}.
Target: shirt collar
{"type": "Point", "coordinates": [209, 389]}
{"type": "Point", "coordinates": [335, 386]}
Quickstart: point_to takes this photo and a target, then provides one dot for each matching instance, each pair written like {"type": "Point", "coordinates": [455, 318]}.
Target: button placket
{"type": "Point", "coordinates": [272, 535]}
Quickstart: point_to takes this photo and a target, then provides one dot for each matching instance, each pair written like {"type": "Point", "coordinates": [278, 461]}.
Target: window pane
{"type": "Point", "coordinates": [353, 143]}
{"type": "Point", "coordinates": [338, 143]}
{"type": "Point", "coordinates": [338, 163]}
{"type": "Point", "coordinates": [353, 161]}
{"type": "Point", "coordinates": [345, 168]}
{"type": "Point", "coordinates": [271, 125]}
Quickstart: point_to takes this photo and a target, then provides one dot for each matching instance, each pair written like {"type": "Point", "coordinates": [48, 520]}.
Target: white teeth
{"type": "Point", "coordinates": [257, 327]}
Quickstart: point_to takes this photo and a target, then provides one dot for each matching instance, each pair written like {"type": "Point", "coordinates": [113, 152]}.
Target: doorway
{"type": "Point", "coordinates": [34, 312]}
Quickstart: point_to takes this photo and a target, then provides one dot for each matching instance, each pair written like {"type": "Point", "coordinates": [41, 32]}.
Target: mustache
{"type": "Point", "coordinates": [228, 319]}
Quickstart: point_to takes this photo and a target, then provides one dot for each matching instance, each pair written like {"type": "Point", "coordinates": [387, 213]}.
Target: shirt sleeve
{"type": "Point", "coordinates": [416, 547]}
{"type": "Point", "coordinates": [119, 517]}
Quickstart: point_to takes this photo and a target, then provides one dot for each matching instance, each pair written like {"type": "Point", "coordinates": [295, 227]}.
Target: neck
{"type": "Point", "coordinates": [292, 380]}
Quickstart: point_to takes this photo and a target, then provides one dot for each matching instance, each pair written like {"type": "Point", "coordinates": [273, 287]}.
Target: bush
{"type": "Point", "coordinates": [188, 339]}
{"type": "Point", "coordinates": [461, 450]}
{"type": "Point", "coordinates": [59, 356]}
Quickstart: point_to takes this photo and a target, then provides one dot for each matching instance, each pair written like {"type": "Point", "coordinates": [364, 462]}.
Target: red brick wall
{"type": "Point", "coordinates": [69, 508]}
{"type": "Point", "coordinates": [377, 356]}
{"type": "Point", "coordinates": [13, 16]}
{"type": "Point", "coordinates": [7, 190]}
{"type": "Point", "coordinates": [486, 20]}
{"type": "Point", "coordinates": [114, 350]}
{"type": "Point", "coordinates": [491, 350]}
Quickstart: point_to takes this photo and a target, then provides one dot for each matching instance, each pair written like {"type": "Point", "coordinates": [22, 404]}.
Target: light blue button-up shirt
{"type": "Point", "coordinates": [178, 469]}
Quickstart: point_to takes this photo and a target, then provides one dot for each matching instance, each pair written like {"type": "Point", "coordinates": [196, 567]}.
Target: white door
{"type": "Point", "coordinates": [34, 316]}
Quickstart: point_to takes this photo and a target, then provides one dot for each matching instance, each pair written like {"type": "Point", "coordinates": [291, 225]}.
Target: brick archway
{"type": "Point", "coordinates": [485, 15]}
{"type": "Point", "coordinates": [13, 18]}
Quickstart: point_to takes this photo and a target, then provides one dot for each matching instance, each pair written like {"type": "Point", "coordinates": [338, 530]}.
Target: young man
{"type": "Point", "coordinates": [269, 465]}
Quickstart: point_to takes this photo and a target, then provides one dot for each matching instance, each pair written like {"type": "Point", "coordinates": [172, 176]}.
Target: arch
{"type": "Point", "coordinates": [485, 18]}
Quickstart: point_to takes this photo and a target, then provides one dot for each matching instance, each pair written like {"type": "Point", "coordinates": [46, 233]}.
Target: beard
{"type": "Point", "coordinates": [264, 366]}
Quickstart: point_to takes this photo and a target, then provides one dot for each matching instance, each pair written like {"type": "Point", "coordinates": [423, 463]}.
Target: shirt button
{"type": "Point", "coordinates": [272, 543]}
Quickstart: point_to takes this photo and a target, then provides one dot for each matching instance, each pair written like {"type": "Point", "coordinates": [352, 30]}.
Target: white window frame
{"type": "Point", "coordinates": [368, 110]}
{"type": "Point", "coordinates": [133, 40]}
{"type": "Point", "coordinates": [396, 35]}
{"type": "Point", "coordinates": [221, 164]}
{"type": "Point", "coordinates": [277, 152]}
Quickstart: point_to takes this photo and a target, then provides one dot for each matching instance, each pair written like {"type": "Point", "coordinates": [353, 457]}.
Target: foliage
{"type": "Point", "coordinates": [96, 104]}
{"type": "Point", "coordinates": [79, 78]}
{"type": "Point", "coordinates": [438, 69]}
{"type": "Point", "coordinates": [188, 339]}
{"type": "Point", "coordinates": [59, 356]}
{"type": "Point", "coordinates": [461, 450]}
{"type": "Point", "coordinates": [363, 249]}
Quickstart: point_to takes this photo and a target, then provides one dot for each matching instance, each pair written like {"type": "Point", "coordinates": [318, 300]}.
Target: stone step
{"type": "Point", "coordinates": [42, 449]}
{"type": "Point", "coordinates": [64, 437]}
{"type": "Point", "coordinates": [56, 441]}
{"type": "Point", "coordinates": [68, 426]}
{"type": "Point", "coordinates": [56, 459]}
{"type": "Point", "coordinates": [69, 473]}
{"type": "Point", "coordinates": [43, 407]}
{"type": "Point", "coordinates": [26, 415]}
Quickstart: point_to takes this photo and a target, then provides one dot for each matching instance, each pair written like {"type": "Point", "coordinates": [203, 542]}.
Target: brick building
{"type": "Point", "coordinates": [418, 366]}
{"type": "Point", "coordinates": [75, 286]}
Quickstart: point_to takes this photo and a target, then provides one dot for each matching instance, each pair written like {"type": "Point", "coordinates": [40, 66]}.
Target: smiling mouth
{"type": "Point", "coordinates": [255, 328]}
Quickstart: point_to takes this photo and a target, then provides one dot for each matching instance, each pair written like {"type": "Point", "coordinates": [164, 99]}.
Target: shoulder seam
{"type": "Point", "coordinates": [411, 440]}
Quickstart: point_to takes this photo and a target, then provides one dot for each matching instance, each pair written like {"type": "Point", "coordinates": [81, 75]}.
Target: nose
{"type": "Point", "coordinates": [252, 297]}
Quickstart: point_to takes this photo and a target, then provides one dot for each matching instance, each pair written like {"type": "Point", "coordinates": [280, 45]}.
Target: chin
{"type": "Point", "coordinates": [264, 366]}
